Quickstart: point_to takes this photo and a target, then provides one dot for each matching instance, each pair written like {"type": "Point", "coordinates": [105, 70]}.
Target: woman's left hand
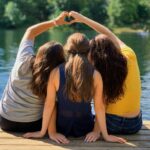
{"type": "Point", "coordinates": [60, 20]}
{"type": "Point", "coordinates": [37, 134]}
{"type": "Point", "coordinates": [112, 138]}
{"type": "Point", "coordinates": [77, 17]}
{"type": "Point", "coordinates": [92, 136]}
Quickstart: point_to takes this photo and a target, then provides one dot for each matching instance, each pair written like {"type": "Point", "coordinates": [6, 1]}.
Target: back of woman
{"type": "Point", "coordinates": [21, 106]}
{"type": "Point", "coordinates": [74, 117]}
{"type": "Point", "coordinates": [129, 103]}
{"type": "Point", "coordinates": [18, 103]}
{"type": "Point", "coordinates": [122, 87]}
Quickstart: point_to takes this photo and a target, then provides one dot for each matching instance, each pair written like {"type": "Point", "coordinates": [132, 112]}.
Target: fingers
{"type": "Point", "coordinates": [121, 140]}
{"type": "Point", "coordinates": [58, 138]}
{"type": "Point", "coordinates": [63, 140]}
{"type": "Point", "coordinates": [57, 141]}
{"type": "Point", "coordinates": [92, 137]}
{"type": "Point", "coordinates": [27, 135]}
{"type": "Point", "coordinates": [63, 14]}
{"type": "Point", "coordinates": [72, 21]}
{"type": "Point", "coordinates": [33, 135]}
{"type": "Point", "coordinates": [116, 139]}
{"type": "Point", "coordinates": [73, 17]}
{"type": "Point", "coordinates": [72, 13]}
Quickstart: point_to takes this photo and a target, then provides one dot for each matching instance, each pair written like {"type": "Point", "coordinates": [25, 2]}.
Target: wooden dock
{"type": "Point", "coordinates": [15, 141]}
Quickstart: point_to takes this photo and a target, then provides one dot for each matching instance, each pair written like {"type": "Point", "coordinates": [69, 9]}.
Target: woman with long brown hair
{"type": "Point", "coordinates": [23, 99]}
{"type": "Point", "coordinates": [118, 66]}
{"type": "Point", "coordinates": [75, 83]}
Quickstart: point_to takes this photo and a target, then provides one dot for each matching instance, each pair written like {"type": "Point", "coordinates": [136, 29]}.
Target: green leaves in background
{"type": "Point", "coordinates": [135, 13]}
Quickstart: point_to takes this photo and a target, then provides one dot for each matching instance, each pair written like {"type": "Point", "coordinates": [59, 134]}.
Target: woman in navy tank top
{"type": "Point", "coordinates": [74, 84]}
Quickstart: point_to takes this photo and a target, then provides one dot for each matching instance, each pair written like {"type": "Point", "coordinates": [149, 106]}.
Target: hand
{"type": "Point", "coordinates": [111, 138]}
{"type": "Point", "coordinates": [92, 136]}
{"type": "Point", "coordinates": [58, 138]}
{"type": "Point", "coordinates": [60, 20]}
{"type": "Point", "coordinates": [37, 134]}
{"type": "Point", "coordinates": [77, 17]}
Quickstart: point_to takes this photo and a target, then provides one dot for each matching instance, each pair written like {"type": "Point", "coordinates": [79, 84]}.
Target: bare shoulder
{"type": "Point", "coordinates": [54, 77]}
{"type": "Point", "coordinates": [97, 77]}
{"type": "Point", "coordinates": [96, 74]}
{"type": "Point", "coordinates": [54, 72]}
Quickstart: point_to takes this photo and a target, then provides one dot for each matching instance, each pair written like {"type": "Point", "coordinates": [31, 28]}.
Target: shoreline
{"type": "Point", "coordinates": [119, 30]}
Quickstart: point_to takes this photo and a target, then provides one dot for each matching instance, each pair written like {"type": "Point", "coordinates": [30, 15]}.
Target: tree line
{"type": "Point", "coordinates": [114, 13]}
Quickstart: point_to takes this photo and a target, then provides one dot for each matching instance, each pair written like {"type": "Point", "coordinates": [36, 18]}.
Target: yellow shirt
{"type": "Point", "coordinates": [130, 102]}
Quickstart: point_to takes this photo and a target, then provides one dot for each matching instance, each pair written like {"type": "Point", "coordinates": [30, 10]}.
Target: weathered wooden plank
{"type": "Point", "coordinates": [16, 147]}
{"type": "Point", "coordinates": [146, 121]}
{"type": "Point", "coordinates": [136, 137]}
{"type": "Point", "coordinates": [143, 132]}
{"type": "Point", "coordinates": [15, 141]}
{"type": "Point", "coordinates": [146, 127]}
{"type": "Point", "coordinates": [73, 143]}
{"type": "Point", "coordinates": [19, 135]}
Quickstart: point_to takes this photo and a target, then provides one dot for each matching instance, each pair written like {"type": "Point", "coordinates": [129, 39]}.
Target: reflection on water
{"type": "Point", "coordinates": [140, 42]}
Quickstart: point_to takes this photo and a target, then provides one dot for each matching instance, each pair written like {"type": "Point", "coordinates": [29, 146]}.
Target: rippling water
{"type": "Point", "coordinates": [140, 42]}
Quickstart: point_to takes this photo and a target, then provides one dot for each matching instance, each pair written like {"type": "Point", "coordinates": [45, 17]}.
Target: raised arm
{"type": "Point", "coordinates": [100, 109]}
{"type": "Point", "coordinates": [39, 28]}
{"type": "Point", "coordinates": [97, 27]}
{"type": "Point", "coordinates": [27, 42]}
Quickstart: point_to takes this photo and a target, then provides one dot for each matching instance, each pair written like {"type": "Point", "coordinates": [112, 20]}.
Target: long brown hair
{"type": "Point", "coordinates": [49, 56]}
{"type": "Point", "coordinates": [79, 72]}
{"type": "Point", "coordinates": [112, 65]}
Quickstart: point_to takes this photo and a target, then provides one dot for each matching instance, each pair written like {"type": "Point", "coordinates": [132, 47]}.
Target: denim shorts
{"type": "Point", "coordinates": [123, 125]}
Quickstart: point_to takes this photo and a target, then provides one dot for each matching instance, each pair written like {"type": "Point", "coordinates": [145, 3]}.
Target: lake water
{"type": "Point", "coordinates": [140, 42]}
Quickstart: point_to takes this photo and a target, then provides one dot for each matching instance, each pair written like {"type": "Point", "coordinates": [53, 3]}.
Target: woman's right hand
{"type": "Point", "coordinates": [77, 17]}
{"type": "Point", "coordinates": [111, 138]}
{"type": "Point", "coordinates": [37, 134]}
{"type": "Point", "coordinates": [58, 138]}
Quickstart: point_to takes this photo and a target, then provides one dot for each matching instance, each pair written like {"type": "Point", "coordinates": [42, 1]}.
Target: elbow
{"type": "Point", "coordinates": [99, 109]}
{"type": "Point", "coordinates": [30, 30]}
{"type": "Point", "coordinates": [48, 105]}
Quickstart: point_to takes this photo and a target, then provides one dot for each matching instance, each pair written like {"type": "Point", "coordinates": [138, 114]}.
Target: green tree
{"type": "Point", "coordinates": [35, 10]}
{"type": "Point", "coordinates": [2, 11]}
{"type": "Point", "coordinates": [97, 10]}
{"type": "Point", "coordinates": [13, 14]}
{"type": "Point", "coordinates": [122, 12]}
{"type": "Point", "coordinates": [65, 5]}
{"type": "Point", "coordinates": [144, 11]}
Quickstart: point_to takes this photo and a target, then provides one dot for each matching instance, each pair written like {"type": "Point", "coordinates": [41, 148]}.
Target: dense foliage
{"type": "Point", "coordinates": [134, 13]}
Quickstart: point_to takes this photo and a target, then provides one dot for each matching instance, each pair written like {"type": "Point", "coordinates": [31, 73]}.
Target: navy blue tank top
{"type": "Point", "coordinates": [73, 119]}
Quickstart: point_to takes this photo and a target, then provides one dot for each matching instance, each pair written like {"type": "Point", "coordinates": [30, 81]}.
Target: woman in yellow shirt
{"type": "Point", "coordinates": [119, 69]}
